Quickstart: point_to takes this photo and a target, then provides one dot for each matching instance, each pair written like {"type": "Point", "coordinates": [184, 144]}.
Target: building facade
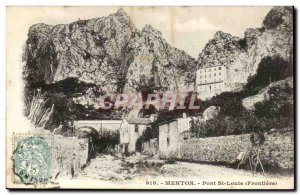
{"type": "Point", "coordinates": [170, 134]}
{"type": "Point", "coordinates": [131, 132]}
{"type": "Point", "coordinates": [211, 81]}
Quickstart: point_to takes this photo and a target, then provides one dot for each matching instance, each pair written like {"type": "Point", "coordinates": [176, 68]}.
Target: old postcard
{"type": "Point", "coordinates": [150, 98]}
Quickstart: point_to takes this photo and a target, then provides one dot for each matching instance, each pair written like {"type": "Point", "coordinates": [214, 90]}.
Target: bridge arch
{"type": "Point", "coordinates": [100, 141]}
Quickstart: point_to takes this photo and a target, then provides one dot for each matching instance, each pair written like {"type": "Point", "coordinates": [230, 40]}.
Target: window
{"type": "Point", "coordinates": [168, 141]}
{"type": "Point", "coordinates": [209, 87]}
{"type": "Point", "coordinates": [215, 69]}
{"type": "Point", "coordinates": [136, 128]}
{"type": "Point", "coordinates": [220, 74]}
{"type": "Point", "coordinates": [220, 68]}
{"type": "Point", "coordinates": [215, 74]}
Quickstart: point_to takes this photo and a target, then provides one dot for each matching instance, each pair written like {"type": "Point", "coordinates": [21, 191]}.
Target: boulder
{"type": "Point", "coordinates": [249, 102]}
{"type": "Point", "coordinates": [211, 112]}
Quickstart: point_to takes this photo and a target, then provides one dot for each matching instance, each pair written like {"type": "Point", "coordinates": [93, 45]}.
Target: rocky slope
{"type": "Point", "coordinates": [109, 51]}
{"type": "Point", "coordinates": [241, 56]}
{"type": "Point", "coordinates": [281, 87]}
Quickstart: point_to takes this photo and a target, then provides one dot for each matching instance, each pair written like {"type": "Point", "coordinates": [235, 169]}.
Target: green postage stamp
{"type": "Point", "coordinates": [32, 160]}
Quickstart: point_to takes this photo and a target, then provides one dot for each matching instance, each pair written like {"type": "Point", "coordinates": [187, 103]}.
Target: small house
{"type": "Point", "coordinates": [170, 134]}
{"type": "Point", "coordinates": [131, 132]}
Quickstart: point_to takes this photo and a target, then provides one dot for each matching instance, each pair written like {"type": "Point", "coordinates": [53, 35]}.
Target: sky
{"type": "Point", "coordinates": [187, 28]}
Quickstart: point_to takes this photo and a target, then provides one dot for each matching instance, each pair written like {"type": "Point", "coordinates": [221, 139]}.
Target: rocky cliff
{"type": "Point", "coordinates": [241, 56]}
{"type": "Point", "coordinates": [109, 51]}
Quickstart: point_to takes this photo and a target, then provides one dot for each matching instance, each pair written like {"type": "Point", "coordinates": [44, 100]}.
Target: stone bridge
{"type": "Point", "coordinates": [99, 125]}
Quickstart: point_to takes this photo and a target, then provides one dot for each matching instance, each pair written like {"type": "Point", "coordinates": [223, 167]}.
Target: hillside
{"type": "Point", "coordinates": [109, 51]}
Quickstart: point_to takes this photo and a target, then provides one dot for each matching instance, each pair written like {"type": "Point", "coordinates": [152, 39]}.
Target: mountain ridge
{"type": "Point", "coordinates": [109, 51]}
{"type": "Point", "coordinates": [241, 56]}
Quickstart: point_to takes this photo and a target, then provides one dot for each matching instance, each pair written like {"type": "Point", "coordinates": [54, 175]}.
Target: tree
{"type": "Point", "coordinates": [270, 69]}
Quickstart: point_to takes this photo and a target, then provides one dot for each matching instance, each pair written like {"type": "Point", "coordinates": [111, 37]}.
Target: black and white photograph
{"type": "Point", "coordinates": [150, 97]}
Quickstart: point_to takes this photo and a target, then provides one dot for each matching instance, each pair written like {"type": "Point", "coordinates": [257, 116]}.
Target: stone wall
{"type": "Point", "coordinates": [277, 150]}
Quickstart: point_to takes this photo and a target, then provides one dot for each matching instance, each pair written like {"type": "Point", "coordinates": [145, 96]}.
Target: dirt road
{"type": "Point", "coordinates": [109, 168]}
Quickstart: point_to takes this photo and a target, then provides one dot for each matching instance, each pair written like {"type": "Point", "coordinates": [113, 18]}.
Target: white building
{"type": "Point", "coordinates": [170, 134]}
{"type": "Point", "coordinates": [211, 81]}
{"type": "Point", "coordinates": [131, 130]}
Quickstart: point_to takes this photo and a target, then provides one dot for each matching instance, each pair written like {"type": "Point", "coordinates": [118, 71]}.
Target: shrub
{"type": "Point", "coordinates": [37, 110]}
{"type": "Point", "coordinates": [230, 103]}
{"type": "Point", "coordinates": [270, 69]}
{"type": "Point", "coordinates": [247, 122]}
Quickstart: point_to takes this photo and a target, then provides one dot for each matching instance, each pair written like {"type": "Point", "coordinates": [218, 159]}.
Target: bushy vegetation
{"type": "Point", "coordinates": [61, 95]}
{"type": "Point", "coordinates": [278, 111]}
{"type": "Point", "coordinates": [38, 110]}
{"type": "Point", "coordinates": [150, 133]}
{"type": "Point", "coordinates": [103, 141]}
{"type": "Point", "coordinates": [247, 122]}
{"type": "Point", "coordinates": [269, 70]}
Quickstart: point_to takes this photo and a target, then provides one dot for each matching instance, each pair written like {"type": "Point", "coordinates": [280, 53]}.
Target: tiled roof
{"type": "Point", "coordinates": [141, 121]}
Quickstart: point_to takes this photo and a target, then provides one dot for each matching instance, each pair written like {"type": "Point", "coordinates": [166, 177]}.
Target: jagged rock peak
{"type": "Point", "coordinates": [150, 30]}
{"type": "Point", "coordinates": [122, 12]}
{"type": "Point", "coordinates": [39, 27]}
{"type": "Point", "coordinates": [108, 51]}
{"type": "Point", "coordinates": [279, 16]}
{"type": "Point", "coordinates": [223, 35]}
